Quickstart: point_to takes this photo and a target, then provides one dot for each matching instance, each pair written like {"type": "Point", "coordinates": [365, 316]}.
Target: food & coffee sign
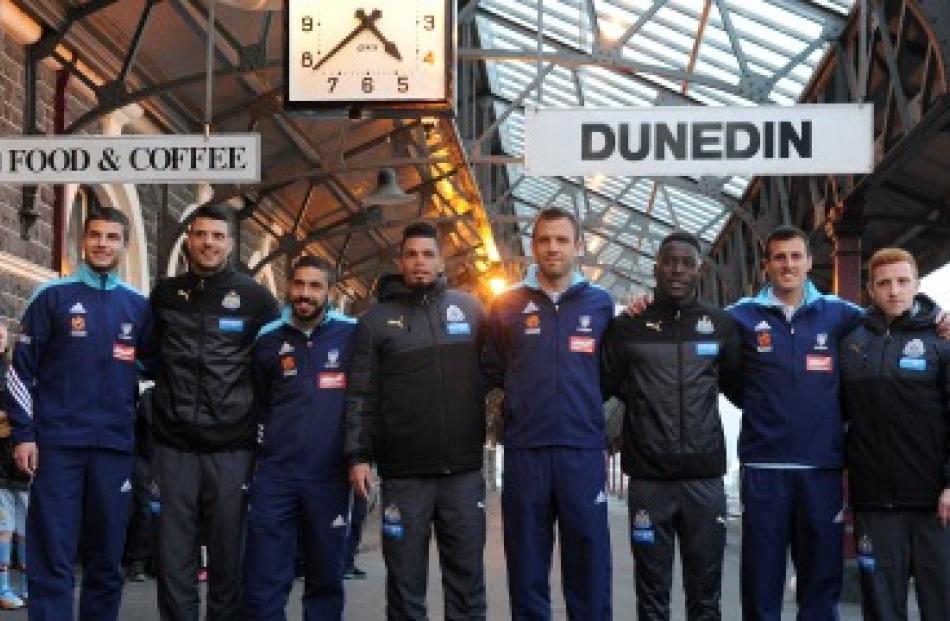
{"type": "Point", "coordinates": [172, 159]}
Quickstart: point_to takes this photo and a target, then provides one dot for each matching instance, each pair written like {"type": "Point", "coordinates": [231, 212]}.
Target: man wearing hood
{"type": "Point", "coordinates": [669, 364]}
{"type": "Point", "coordinates": [415, 407]}
{"type": "Point", "coordinates": [896, 396]}
{"type": "Point", "coordinates": [544, 346]}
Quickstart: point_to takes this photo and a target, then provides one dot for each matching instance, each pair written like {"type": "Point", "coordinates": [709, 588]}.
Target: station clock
{"type": "Point", "coordinates": [381, 57]}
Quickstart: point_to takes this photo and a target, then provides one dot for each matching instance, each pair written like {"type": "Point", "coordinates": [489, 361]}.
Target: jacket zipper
{"type": "Point", "coordinates": [426, 310]}
{"type": "Point", "coordinates": [880, 399]}
{"type": "Point", "coordinates": [679, 376]}
{"type": "Point", "coordinates": [102, 324]}
{"type": "Point", "coordinates": [201, 351]}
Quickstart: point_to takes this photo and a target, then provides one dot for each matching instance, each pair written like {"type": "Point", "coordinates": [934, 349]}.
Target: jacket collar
{"type": "Point", "coordinates": [286, 317]}
{"type": "Point", "coordinates": [766, 297]}
{"type": "Point", "coordinates": [393, 285]}
{"type": "Point", "coordinates": [223, 274]}
{"type": "Point", "coordinates": [97, 280]}
{"type": "Point", "coordinates": [921, 315]}
{"type": "Point", "coordinates": [531, 280]}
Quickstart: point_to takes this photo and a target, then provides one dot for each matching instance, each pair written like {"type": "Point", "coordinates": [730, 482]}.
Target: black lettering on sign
{"type": "Point", "coordinates": [665, 139]}
{"type": "Point", "coordinates": [789, 137]}
{"type": "Point", "coordinates": [643, 146]}
{"type": "Point", "coordinates": [751, 133]}
{"type": "Point", "coordinates": [706, 136]}
{"type": "Point", "coordinates": [588, 131]}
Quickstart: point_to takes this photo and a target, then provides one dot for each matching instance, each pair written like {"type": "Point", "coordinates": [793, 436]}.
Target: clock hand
{"type": "Point", "coordinates": [364, 23]}
{"type": "Point", "coordinates": [388, 45]}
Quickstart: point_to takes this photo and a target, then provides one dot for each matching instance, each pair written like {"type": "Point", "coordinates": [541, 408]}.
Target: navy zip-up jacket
{"type": "Point", "coordinates": [74, 378]}
{"type": "Point", "coordinates": [300, 383]}
{"type": "Point", "coordinates": [546, 356]}
{"type": "Point", "coordinates": [791, 412]}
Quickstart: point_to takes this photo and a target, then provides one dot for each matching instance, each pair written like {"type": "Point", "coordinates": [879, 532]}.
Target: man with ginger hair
{"type": "Point", "coordinates": [896, 398]}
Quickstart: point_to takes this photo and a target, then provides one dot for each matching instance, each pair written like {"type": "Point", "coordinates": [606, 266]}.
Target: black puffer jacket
{"type": "Point", "coordinates": [415, 403]}
{"type": "Point", "coordinates": [205, 327]}
{"type": "Point", "coordinates": [896, 386]}
{"type": "Point", "coordinates": [669, 365]}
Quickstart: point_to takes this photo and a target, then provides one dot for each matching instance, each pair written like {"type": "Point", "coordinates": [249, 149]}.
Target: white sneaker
{"type": "Point", "coordinates": [10, 601]}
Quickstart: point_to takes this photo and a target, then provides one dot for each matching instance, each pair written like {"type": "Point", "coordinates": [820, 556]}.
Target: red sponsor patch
{"type": "Point", "coordinates": [331, 381]}
{"type": "Point", "coordinates": [821, 364]}
{"type": "Point", "coordinates": [583, 344]}
{"type": "Point", "coordinates": [125, 353]}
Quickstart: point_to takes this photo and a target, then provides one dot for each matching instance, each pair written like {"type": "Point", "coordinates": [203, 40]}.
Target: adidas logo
{"type": "Point", "coordinates": [286, 348]}
{"type": "Point", "coordinates": [126, 487]}
{"type": "Point", "coordinates": [480, 504]}
{"type": "Point", "coordinates": [78, 309]}
{"type": "Point", "coordinates": [763, 325]}
{"type": "Point", "coordinates": [339, 522]}
{"type": "Point", "coordinates": [601, 498]}
{"type": "Point", "coordinates": [840, 517]}
{"type": "Point", "coordinates": [721, 519]}
{"type": "Point", "coordinates": [530, 308]}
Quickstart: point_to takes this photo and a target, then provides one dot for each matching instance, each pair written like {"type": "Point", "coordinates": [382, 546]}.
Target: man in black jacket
{"type": "Point", "coordinates": [415, 406]}
{"type": "Point", "coordinates": [204, 423]}
{"type": "Point", "coordinates": [669, 364]}
{"type": "Point", "coordinates": [896, 394]}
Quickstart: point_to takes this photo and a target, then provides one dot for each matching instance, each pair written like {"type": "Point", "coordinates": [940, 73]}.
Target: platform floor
{"type": "Point", "coordinates": [366, 599]}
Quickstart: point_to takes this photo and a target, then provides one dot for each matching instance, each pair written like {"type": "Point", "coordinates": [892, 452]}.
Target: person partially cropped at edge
{"type": "Point", "coordinates": [896, 396]}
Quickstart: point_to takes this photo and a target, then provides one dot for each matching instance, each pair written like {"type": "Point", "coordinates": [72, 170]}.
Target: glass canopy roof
{"type": "Point", "coordinates": [645, 53]}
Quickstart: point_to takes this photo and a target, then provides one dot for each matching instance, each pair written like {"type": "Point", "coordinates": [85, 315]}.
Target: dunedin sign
{"type": "Point", "coordinates": [700, 140]}
{"type": "Point", "coordinates": [219, 158]}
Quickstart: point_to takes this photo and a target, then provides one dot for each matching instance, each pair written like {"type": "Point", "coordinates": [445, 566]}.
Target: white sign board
{"type": "Point", "coordinates": [700, 140]}
{"type": "Point", "coordinates": [182, 158]}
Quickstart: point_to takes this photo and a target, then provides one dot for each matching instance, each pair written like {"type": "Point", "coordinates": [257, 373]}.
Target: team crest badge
{"type": "Point", "coordinates": [821, 341]}
{"type": "Point", "coordinates": [705, 325]}
{"type": "Point", "coordinates": [232, 301]}
{"type": "Point", "coordinates": [914, 348]}
{"type": "Point", "coordinates": [583, 323]}
{"type": "Point", "coordinates": [454, 314]}
{"type": "Point", "coordinates": [333, 359]}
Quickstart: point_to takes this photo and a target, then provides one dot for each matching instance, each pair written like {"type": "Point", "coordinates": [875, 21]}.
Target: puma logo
{"type": "Point", "coordinates": [395, 322]}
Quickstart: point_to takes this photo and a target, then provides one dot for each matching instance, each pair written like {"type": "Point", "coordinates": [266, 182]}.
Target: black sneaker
{"type": "Point", "coordinates": [354, 573]}
{"type": "Point", "coordinates": [136, 572]}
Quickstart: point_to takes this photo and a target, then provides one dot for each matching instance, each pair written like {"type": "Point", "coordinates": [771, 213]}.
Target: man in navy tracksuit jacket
{"type": "Point", "coordinates": [543, 348]}
{"type": "Point", "coordinates": [73, 385]}
{"type": "Point", "coordinates": [790, 444]}
{"type": "Point", "coordinates": [300, 488]}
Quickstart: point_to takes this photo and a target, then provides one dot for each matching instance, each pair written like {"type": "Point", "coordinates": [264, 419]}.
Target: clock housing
{"type": "Point", "coordinates": [370, 57]}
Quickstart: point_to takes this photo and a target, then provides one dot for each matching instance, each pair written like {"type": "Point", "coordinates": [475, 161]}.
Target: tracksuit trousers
{"type": "Point", "coordinates": [541, 487]}
{"type": "Point", "coordinates": [894, 545]}
{"type": "Point", "coordinates": [203, 500]}
{"type": "Point", "coordinates": [454, 505]}
{"type": "Point", "coordinates": [801, 509]}
{"type": "Point", "coordinates": [78, 495]}
{"type": "Point", "coordinates": [281, 510]}
{"type": "Point", "coordinates": [693, 511]}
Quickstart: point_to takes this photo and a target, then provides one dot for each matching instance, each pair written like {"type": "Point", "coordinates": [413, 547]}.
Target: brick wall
{"type": "Point", "coordinates": [15, 290]}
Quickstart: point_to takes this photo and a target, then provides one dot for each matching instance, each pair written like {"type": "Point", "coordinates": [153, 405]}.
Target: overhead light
{"type": "Point", "coordinates": [497, 284]}
{"type": "Point", "coordinates": [387, 190]}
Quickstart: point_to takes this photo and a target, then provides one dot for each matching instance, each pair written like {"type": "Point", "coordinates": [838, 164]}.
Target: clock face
{"type": "Point", "coordinates": [368, 51]}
